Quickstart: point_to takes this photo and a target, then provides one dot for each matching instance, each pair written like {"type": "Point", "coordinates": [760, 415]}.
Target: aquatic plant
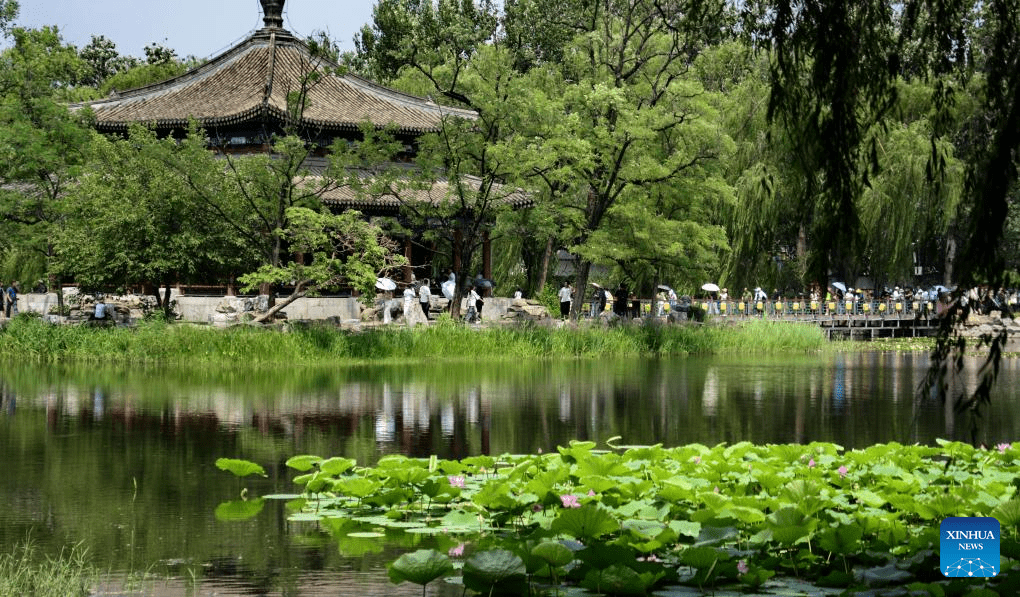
{"type": "Point", "coordinates": [630, 519]}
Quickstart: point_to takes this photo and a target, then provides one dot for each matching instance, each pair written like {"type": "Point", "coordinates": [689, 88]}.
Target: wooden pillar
{"type": "Point", "coordinates": [408, 269]}
{"type": "Point", "coordinates": [486, 260]}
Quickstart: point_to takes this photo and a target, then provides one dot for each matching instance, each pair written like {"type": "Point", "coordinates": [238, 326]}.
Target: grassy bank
{"type": "Point", "coordinates": [24, 571]}
{"type": "Point", "coordinates": [29, 339]}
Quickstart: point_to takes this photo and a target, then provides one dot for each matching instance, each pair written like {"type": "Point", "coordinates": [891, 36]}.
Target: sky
{"type": "Point", "coordinates": [199, 28]}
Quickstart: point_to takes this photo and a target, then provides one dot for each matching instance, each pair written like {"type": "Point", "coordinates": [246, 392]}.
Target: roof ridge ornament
{"type": "Point", "coordinates": [272, 13]}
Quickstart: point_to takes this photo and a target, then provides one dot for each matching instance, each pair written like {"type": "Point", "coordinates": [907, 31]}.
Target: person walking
{"type": "Point", "coordinates": [11, 294]}
{"type": "Point", "coordinates": [425, 297]}
{"type": "Point", "coordinates": [566, 295]}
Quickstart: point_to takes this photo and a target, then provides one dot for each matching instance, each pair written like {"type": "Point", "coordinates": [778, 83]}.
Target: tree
{"type": "Point", "coordinates": [640, 133]}
{"type": "Point", "coordinates": [41, 142]}
{"type": "Point", "coordinates": [345, 249]}
{"type": "Point", "coordinates": [131, 220]}
{"type": "Point", "coordinates": [101, 57]}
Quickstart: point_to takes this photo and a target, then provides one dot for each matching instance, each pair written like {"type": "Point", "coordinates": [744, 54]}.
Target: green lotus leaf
{"type": "Point", "coordinates": [553, 553]}
{"type": "Point", "coordinates": [745, 514]}
{"type": "Point", "coordinates": [336, 466]}
{"type": "Point", "coordinates": [702, 557]}
{"type": "Point", "coordinates": [686, 528]}
{"type": "Point", "coordinates": [358, 487]}
{"type": "Point", "coordinates": [420, 567]}
{"type": "Point", "coordinates": [495, 571]}
{"type": "Point", "coordinates": [495, 495]}
{"type": "Point", "coordinates": [240, 468]}
{"type": "Point", "coordinates": [587, 522]}
{"type": "Point", "coordinates": [239, 509]}
{"type": "Point", "coordinates": [598, 483]}
{"type": "Point", "coordinates": [713, 535]}
{"type": "Point", "coordinates": [881, 576]}
{"type": "Point", "coordinates": [869, 498]}
{"type": "Point", "coordinates": [303, 463]}
{"type": "Point", "coordinates": [605, 465]}
{"type": "Point", "coordinates": [1008, 513]}
{"type": "Point", "coordinates": [616, 580]}
{"type": "Point", "coordinates": [643, 529]}
{"type": "Point", "coordinates": [789, 525]}
{"type": "Point", "coordinates": [842, 540]}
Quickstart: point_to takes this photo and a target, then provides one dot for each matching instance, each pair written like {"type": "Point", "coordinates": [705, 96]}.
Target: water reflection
{"type": "Point", "coordinates": [123, 460]}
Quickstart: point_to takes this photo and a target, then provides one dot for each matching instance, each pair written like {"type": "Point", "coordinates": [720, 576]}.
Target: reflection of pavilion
{"type": "Point", "coordinates": [243, 98]}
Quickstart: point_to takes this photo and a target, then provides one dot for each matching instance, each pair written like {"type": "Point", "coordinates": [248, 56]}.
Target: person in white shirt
{"type": "Point", "coordinates": [566, 295]}
{"type": "Point", "coordinates": [424, 297]}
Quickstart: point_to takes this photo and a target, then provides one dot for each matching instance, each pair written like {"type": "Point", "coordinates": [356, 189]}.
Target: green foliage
{"type": "Point", "coordinates": [420, 567]}
{"type": "Point", "coordinates": [829, 516]}
{"type": "Point", "coordinates": [159, 342]}
{"type": "Point", "coordinates": [25, 571]}
{"type": "Point", "coordinates": [240, 468]}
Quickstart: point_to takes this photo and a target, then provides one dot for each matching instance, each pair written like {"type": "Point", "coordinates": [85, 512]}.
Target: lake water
{"type": "Point", "coordinates": [122, 461]}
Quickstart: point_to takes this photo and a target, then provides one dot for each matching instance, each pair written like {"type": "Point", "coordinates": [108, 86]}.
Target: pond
{"type": "Point", "coordinates": [122, 461]}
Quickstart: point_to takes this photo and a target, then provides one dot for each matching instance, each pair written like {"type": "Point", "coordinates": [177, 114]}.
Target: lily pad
{"type": "Point", "coordinates": [495, 571]}
{"type": "Point", "coordinates": [420, 567]}
{"type": "Point", "coordinates": [240, 468]}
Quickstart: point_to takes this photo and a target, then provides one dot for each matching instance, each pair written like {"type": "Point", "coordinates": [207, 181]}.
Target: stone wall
{"type": "Point", "coordinates": [225, 310]}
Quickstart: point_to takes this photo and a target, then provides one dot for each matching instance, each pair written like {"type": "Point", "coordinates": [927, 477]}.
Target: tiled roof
{"type": "Point", "coordinates": [346, 198]}
{"type": "Point", "coordinates": [252, 80]}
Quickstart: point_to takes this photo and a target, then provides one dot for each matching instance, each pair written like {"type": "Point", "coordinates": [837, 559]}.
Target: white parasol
{"type": "Point", "coordinates": [385, 284]}
{"type": "Point", "coordinates": [710, 287]}
{"type": "Point", "coordinates": [839, 285]}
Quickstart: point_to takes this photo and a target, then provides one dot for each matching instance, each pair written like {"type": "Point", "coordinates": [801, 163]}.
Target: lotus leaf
{"type": "Point", "coordinates": [553, 553]}
{"type": "Point", "coordinates": [240, 468]}
{"type": "Point", "coordinates": [587, 522]}
{"type": "Point", "coordinates": [420, 567]}
{"type": "Point", "coordinates": [617, 580]}
{"type": "Point", "coordinates": [881, 575]}
{"type": "Point", "coordinates": [842, 540]}
{"type": "Point", "coordinates": [358, 487]}
{"type": "Point", "coordinates": [336, 466]}
{"type": "Point", "coordinates": [702, 557]}
{"type": "Point", "coordinates": [789, 525]}
{"type": "Point", "coordinates": [303, 463]}
{"type": "Point", "coordinates": [1008, 513]}
{"type": "Point", "coordinates": [239, 509]}
{"type": "Point", "coordinates": [495, 571]}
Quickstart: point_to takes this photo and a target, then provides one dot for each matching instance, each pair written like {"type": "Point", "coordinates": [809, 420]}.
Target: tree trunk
{"type": "Point", "coordinates": [544, 272]}
{"type": "Point", "coordinates": [580, 284]}
{"type": "Point", "coordinates": [276, 308]}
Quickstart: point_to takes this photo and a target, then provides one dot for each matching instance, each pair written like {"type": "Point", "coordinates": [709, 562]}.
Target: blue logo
{"type": "Point", "coordinates": [969, 547]}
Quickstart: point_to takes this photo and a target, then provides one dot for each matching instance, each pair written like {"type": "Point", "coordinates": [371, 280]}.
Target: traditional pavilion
{"type": "Point", "coordinates": [240, 99]}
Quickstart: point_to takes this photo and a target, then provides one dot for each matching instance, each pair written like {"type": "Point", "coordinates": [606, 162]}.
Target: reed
{"type": "Point", "coordinates": [24, 571]}
{"type": "Point", "coordinates": [159, 343]}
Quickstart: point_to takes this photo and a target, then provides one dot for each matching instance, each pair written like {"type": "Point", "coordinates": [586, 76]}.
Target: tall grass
{"type": "Point", "coordinates": [159, 343]}
{"type": "Point", "coordinates": [24, 571]}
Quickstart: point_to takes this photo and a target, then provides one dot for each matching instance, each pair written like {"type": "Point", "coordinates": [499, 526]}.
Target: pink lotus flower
{"type": "Point", "coordinates": [811, 463]}
{"type": "Point", "coordinates": [456, 481]}
{"type": "Point", "coordinates": [742, 567]}
{"type": "Point", "coordinates": [842, 471]}
{"type": "Point", "coordinates": [591, 493]}
{"type": "Point", "coordinates": [570, 501]}
{"type": "Point", "coordinates": [1003, 447]}
{"type": "Point", "coordinates": [456, 552]}
{"type": "Point", "coordinates": [696, 459]}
